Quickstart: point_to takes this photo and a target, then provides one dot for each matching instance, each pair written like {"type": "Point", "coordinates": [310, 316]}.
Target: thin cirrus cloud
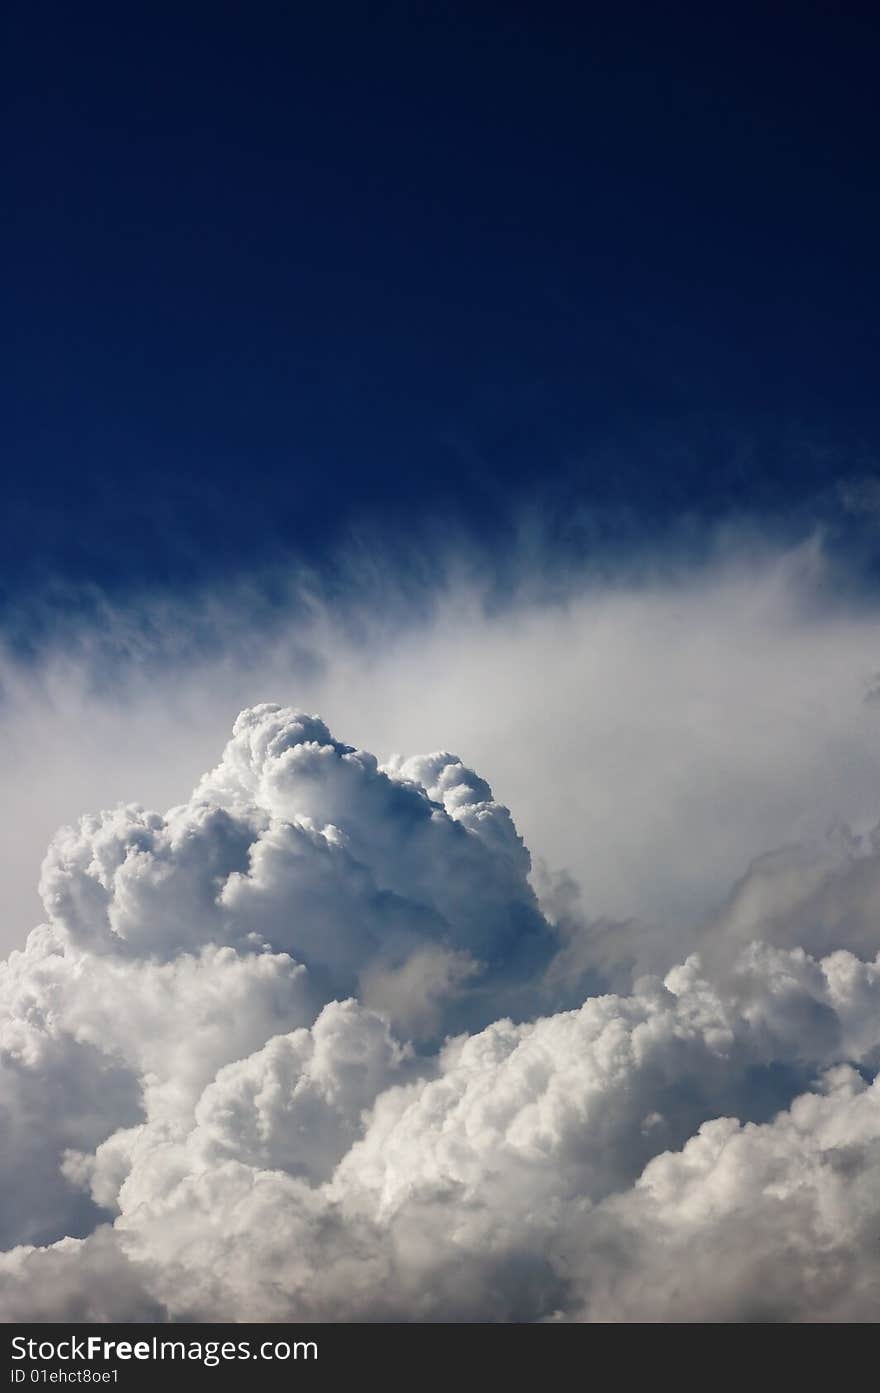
{"type": "Point", "coordinates": [324, 1041]}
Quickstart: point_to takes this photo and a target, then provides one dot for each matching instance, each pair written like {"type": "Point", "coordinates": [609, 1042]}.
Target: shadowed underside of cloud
{"type": "Point", "coordinates": [308, 1047]}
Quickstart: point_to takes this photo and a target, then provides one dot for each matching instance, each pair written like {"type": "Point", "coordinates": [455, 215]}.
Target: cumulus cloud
{"type": "Point", "coordinates": [309, 1046]}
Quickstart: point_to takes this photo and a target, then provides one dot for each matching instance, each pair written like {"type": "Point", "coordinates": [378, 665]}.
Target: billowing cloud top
{"type": "Point", "coordinates": [295, 1050]}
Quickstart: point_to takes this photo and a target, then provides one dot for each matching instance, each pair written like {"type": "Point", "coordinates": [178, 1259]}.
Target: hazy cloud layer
{"type": "Point", "coordinates": [309, 1046]}
{"type": "Point", "coordinates": [653, 732]}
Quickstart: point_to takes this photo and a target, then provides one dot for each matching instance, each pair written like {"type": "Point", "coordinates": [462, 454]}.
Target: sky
{"type": "Point", "coordinates": [440, 664]}
{"type": "Point", "coordinates": [275, 277]}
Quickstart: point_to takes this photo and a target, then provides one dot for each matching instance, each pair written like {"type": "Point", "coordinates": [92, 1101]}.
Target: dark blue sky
{"type": "Point", "coordinates": [277, 269]}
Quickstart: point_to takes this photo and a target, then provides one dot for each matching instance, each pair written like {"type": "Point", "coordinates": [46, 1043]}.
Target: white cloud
{"type": "Point", "coordinates": [773, 1223]}
{"type": "Point", "coordinates": [653, 733]}
{"type": "Point", "coordinates": [300, 1048]}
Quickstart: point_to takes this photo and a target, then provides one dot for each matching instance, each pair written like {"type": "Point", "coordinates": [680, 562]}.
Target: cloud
{"type": "Point", "coordinates": [772, 1223]}
{"type": "Point", "coordinates": [655, 729]}
{"type": "Point", "coordinates": [304, 1046]}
